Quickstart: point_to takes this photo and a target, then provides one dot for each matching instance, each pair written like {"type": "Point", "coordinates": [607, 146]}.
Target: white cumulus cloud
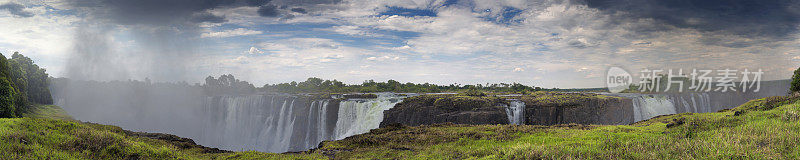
{"type": "Point", "coordinates": [254, 50]}
{"type": "Point", "coordinates": [231, 33]}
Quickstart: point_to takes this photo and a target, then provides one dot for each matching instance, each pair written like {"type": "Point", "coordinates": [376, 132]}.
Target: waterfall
{"type": "Point", "coordinates": [281, 123]}
{"type": "Point", "coordinates": [695, 102]}
{"type": "Point", "coordinates": [649, 106]}
{"type": "Point", "coordinates": [265, 123]}
{"type": "Point", "coordinates": [515, 112]}
{"type": "Point", "coordinates": [59, 102]}
{"type": "Point", "coordinates": [357, 116]}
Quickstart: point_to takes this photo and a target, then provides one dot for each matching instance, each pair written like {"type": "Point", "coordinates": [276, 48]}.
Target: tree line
{"type": "Point", "coordinates": [22, 84]}
{"type": "Point", "coordinates": [334, 86]}
{"type": "Point", "coordinates": [228, 84]}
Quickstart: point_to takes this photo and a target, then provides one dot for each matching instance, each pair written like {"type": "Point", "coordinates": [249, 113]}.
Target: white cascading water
{"type": "Point", "coordinates": [280, 123]}
{"type": "Point", "coordinates": [649, 106]}
{"type": "Point", "coordinates": [515, 112]}
{"type": "Point", "coordinates": [264, 123]}
{"type": "Point", "coordinates": [358, 116]}
{"type": "Point", "coordinates": [696, 102]}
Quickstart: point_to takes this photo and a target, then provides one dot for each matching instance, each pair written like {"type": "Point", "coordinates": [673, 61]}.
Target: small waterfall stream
{"type": "Point", "coordinates": [515, 111]}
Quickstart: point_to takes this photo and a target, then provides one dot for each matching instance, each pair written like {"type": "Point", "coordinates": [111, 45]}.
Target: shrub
{"type": "Point", "coordinates": [795, 86]}
{"type": "Point", "coordinates": [472, 92]}
{"type": "Point", "coordinates": [7, 108]}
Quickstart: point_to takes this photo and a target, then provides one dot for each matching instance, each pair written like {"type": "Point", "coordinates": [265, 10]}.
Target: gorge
{"type": "Point", "coordinates": [277, 122]}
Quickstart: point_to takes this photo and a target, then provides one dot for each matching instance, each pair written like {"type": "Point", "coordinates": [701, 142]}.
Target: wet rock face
{"type": "Point", "coordinates": [593, 111]}
{"type": "Point", "coordinates": [424, 110]}
{"type": "Point", "coordinates": [427, 109]}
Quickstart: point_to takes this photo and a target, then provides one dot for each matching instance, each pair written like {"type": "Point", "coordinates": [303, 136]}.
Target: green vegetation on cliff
{"type": "Point", "coordinates": [474, 99]}
{"type": "Point", "coordinates": [456, 102]}
{"type": "Point", "coordinates": [560, 99]}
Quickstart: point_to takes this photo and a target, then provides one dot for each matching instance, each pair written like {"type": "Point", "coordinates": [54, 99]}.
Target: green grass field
{"type": "Point", "coordinates": [766, 128]}
{"type": "Point", "coordinates": [48, 133]}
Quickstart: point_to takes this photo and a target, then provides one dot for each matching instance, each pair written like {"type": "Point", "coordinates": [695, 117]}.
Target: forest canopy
{"type": "Point", "coordinates": [334, 86]}
{"type": "Point", "coordinates": [228, 84]}
{"type": "Point", "coordinates": [22, 84]}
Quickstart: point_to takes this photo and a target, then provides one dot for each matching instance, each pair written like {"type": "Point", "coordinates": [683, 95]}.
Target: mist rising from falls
{"type": "Point", "coordinates": [138, 106]}
{"type": "Point", "coordinates": [515, 112]}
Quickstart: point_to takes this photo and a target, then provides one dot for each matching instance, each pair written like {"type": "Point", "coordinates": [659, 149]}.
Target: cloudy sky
{"type": "Point", "coordinates": [546, 43]}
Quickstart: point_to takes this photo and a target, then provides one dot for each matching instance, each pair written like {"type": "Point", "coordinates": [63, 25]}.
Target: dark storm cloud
{"type": "Point", "coordinates": [207, 17]}
{"type": "Point", "coordinates": [305, 2]}
{"type": "Point", "coordinates": [268, 11]}
{"type": "Point", "coordinates": [305, 6]}
{"type": "Point", "coordinates": [253, 3]}
{"type": "Point", "coordinates": [299, 10]}
{"type": "Point", "coordinates": [763, 18]}
{"type": "Point", "coordinates": [162, 12]}
{"type": "Point", "coordinates": [277, 7]}
{"type": "Point", "coordinates": [158, 12]}
{"type": "Point", "coordinates": [16, 9]}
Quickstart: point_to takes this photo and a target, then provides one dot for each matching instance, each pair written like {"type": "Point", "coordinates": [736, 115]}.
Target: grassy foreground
{"type": "Point", "coordinates": [48, 133]}
{"type": "Point", "coordinates": [766, 128]}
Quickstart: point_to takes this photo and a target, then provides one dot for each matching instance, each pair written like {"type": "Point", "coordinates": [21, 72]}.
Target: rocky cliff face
{"type": "Point", "coordinates": [583, 111]}
{"type": "Point", "coordinates": [432, 109]}
{"type": "Point", "coordinates": [542, 109]}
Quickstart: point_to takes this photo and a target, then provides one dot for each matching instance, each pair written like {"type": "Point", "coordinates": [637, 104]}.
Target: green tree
{"type": "Point", "coordinates": [19, 82]}
{"type": "Point", "coordinates": [29, 80]}
{"type": "Point", "coordinates": [4, 71]}
{"type": "Point", "coordinates": [795, 84]}
{"type": "Point", "coordinates": [7, 107]}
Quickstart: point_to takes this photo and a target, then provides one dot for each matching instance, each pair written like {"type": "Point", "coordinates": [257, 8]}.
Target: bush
{"type": "Point", "coordinates": [7, 108]}
{"type": "Point", "coordinates": [795, 87]}
{"type": "Point", "coordinates": [473, 92]}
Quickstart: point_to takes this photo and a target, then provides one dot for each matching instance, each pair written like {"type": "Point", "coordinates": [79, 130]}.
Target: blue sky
{"type": "Point", "coordinates": [555, 43]}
